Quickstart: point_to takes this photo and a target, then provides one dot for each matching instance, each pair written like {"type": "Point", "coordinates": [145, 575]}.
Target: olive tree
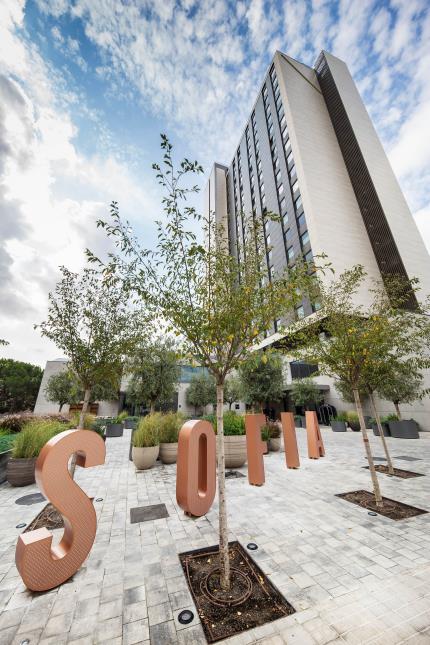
{"type": "Point", "coordinates": [218, 306]}
{"type": "Point", "coordinates": [261, 378]}
{"type": "Point", "coordinates": [232, 390]}
{"type": "Point", "coordinates": [63, 388]}
{"type": "Point", "coordinates": [305, 392]}
{"type": "Point", "coordinates": [402, 383]}
{"type": "Point", "coordinates": [154, 372]}
{"type": "Point", "coordinates": [201, 391]}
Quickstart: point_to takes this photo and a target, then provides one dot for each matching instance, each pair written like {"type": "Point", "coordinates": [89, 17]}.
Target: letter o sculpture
{"type": "Point", "coordinates": [41, 565]}
{"type": "Point", "coordinates": [195, 468]}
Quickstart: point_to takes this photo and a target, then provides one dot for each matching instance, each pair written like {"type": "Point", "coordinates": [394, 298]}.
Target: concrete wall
{"type": "Point", "coordinates": [43, 406]}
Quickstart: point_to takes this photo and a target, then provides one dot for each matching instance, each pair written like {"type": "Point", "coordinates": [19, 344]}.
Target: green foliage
{"type": "Point", "coordinates": [6, 441]}
{"type": "Point", "coordinates": [201, 390]}
{"type": "Point", "coordinates": [341, 416]}
{"type": "Point", "coordinates": [389, 417]}
{"type": "Point", "coordinates": [401, 383]}
{"type": "Point", "coordinates": [88, 424]}
{"type": "Point", "coordinates": [305, 392]}
{"type": "Point", "coordinates": [30, 441]}
{"type": "Point", "coordinates": [19, 385]}
{"type": "Point", "coordinates": [346, 393]}
{"type": "Point", "coordinates": [132, 418]}
{"type": "Point", "coordinates": [352, 417]}
{"type": "Point", "coordinates": [121, 417]}
{"type": "Point", "coordinates": [261, 378]}
{"type": "Point", "coordinates": [147, 433]}
{"type": "Point", "coordinates": [265, 433]}
{"type": "Point", "coordinates": [64, 388]}
{"type": "Point", "coordinates": [170, 425]}
{"type": "Point", "coordinates": [15, 422]}
{"type": "Point", "coordinates": [234, 424]}
{"type": "Point", "coordinates": [232, 390]}
{"type": "Point", "coordinates": [154, 373]}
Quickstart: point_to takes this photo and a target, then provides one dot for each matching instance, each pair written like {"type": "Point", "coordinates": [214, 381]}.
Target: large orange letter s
{"type": "Point", "coordinates": [42, 566]}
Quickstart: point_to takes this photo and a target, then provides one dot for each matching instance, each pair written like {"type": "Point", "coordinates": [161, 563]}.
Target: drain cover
{"type": "Point", "coordinates": [372, 513]}
{"type": "Point", "coordinates": [252, 546]}
{"type": "Point", "coordinates": [28, 500]}
{"type": "Point", "coordinates": [147, 513]}
{"type": "Point", "coordinates": [185, 617]}
{"type": "Point", "coordinates": [99, 499]}
{"type": "Point", "coordinates": [21, 525]}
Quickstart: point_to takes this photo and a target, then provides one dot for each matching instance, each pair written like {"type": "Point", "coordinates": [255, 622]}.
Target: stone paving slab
{"type": "Point", "coordinates": [352, 578]}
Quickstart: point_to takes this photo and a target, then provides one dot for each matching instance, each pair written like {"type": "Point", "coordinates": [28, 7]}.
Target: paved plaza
{"type": "Point", "coordinates": [352, 578]}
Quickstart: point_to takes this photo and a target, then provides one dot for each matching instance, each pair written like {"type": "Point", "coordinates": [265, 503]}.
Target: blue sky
{"type": "Point", "coordinates": [86, 87]}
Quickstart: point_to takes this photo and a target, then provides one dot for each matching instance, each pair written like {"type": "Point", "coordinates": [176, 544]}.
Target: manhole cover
{"type": "Point", "coordinates": [147, 513]}
{"type": "Point", "coordinates": [233, 474]}
{"type": "Point", "coordinates": [28, 500]}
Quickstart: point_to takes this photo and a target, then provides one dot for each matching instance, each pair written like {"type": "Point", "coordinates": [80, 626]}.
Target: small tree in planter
{"type": "Point", "coordinates": [217, 305]}
{"type": "Point", "coordinates": [146, 441]}
{"type": "Point", "coordinates": [63, 388]}
{"type": "Point", "coordinates": [261, 378]}
{"type": "Point", "coordinates": [232, 390]}
{"type": "Point", "coordinates": [201, 391]}
{"type": "Point", "coordinates": [401, 384]}
{"type": "Point", "coordinates": [304, 392]}
{"type": "Point", "coordinates": [154, 373]}
{"type": "Point", "coordinates": [170, 425]}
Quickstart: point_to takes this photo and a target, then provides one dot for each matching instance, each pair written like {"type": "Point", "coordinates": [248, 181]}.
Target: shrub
{"type": "Point", "coordinates": [15, 422]}
{"type": "Point", "coordinates": [121, 417]}
{"type": "Point", "coordinates": [265, 433]}
{"type": "Point", "coordinates": [30, 441]}
{"type": "Point", "coordinates": [389, 417]}
{"type": "Point", "coordinates": [132, 418]}
{"type": "Point", "coordinates": [352, 417]}
{"type": "Point", "coordinates": [170, 424]}
{"type": "Point", "coordinates": [147, 433]}
{"type": "Point", "coordinates": [273, 429]}
{"type": "Point", "coordinates": [341, 416]}
{"type": "Point", "coordinates": [6, 441]}
{"type": "Point", "coordinates": [89, 420]}
{"type": "Point", "coordinates": [234, 424]}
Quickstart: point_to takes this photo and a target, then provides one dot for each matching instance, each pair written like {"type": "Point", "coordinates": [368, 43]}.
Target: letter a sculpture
{"type": "Point", "coordinates": [41, 565]}
{"type": "Point", "coordinates": [315, 442]}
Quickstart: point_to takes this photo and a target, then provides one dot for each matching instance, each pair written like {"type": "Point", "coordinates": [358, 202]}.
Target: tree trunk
{"type": "Point", "coordinates": [152, 408]}
{"type": "Point", "coordinates": [222, 503]}
{"type": "Point", "coordinates": [60, 408]}
{"type": "Point", "coordinates": [396, 405]}
{"type": "Point", "coordinates": [381, 433]}
{"type": "Point", "coordinates": [375, 483]}
{"type": "Point", "coordinates": [229, 405]}
{"type": "Point", "coordinates": [80, 427]}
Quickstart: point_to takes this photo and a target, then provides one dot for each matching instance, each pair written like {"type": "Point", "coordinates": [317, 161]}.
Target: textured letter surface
{"type": "Point", "coordinates": [315, 442]}
{"type": "Point", "coordinates": [41, 565]}
{"type": "Point", "coordinates": [290, 440]}
{"type": "Point", "coordinates": [255, 448]}
{"type": "Point", "coordinates": [195, 468]}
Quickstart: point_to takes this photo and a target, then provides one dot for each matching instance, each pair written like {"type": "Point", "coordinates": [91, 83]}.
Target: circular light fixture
{"type": "Point", "coordinates": [99, 499]}
{"type": "Point", "coordinates": [26, 641]}
{"type": "Point", "coordinates": [252, 546]}
{"type": "Point", "coordinates": [21, 526]}
{"type": "Point", "coordinates": [186, 617]}
{"type": "Point", "coordinates": [372, 513]}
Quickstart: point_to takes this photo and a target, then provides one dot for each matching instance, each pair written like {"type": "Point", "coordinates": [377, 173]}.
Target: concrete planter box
{"type": "Point", "coordinates": [235, 451]}
{"type": "Point", "coordinates": [385, 429]}
{"type": "Point", "coordinates": [20, 472]}
{"type": "Point", "coordinates": [338, 426]}
{"type": "Point", "coordinates": [406, 429]}
{"type": "Point", "coordinates": [168, 453]}
{"type": "Point", "coordinates": [129, 424]}
{"type": "Point", "coordinates": [144, 458]}
{"type": "Point", "coordinates": [275, 444]}
{"type": "Point", "coordinates": [4, 458]}
{"type": "Point", "coordinates": [114, 430]}
{"type": "Point", "coordinates": [354, 425]}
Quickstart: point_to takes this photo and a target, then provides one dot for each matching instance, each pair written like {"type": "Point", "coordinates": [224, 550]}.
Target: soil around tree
{"type": "Point", "coordinates": [398, 472]}
{"type": "Point", "coordinates": [390, 508]}
{"type": "Point", "coordinates": [251, 601]}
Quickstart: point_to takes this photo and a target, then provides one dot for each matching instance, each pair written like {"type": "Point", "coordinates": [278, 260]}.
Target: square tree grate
{"type": "Point", "coordinates": [148, 513]}
{"type": "Point", "coordinates": [391, 508]}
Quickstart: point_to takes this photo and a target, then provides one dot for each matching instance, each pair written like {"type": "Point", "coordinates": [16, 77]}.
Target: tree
{"type": "Point", "coordinates": [154, 373]}
{"type": "Point", "coordinates": [63, 388]}
{"type": "Point", "coordinates": [304, 392]}
{"type": "Point", "coordinates": [19, 385]}
{"type": "Point", "coordinates": [3, 342]}
{"type": "Point", "coordinates": [402, 384]}
{"type": "Point", "coordinates": [201, 391]}
{"type": "Point", "coordinates": [261, 378]}
{"type": "Point", "coordinates": [359, 342]}
{"type": "Point", "coordinates": [232, 390]}
{"type": "Point", "coordinates": [89, 320]}
{"type": "Point", "coordinates": [218, 306]}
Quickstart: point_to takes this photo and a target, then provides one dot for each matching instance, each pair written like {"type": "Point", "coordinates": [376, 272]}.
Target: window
{"type": "Point", "coordinates": [265, 92]}
{"type": "Point", "coordinates": [298, 202]}
{"type": "Point", "coordinates": [277, 324]}
{"type": "Point", "coordinates": [283, 204]}
{"type": "Point", "coordinates": [309, 257]}
{"type": "Point", "coordinates": [295, 187]}
{"type": "Point", "coordinates": [262, 187]}
{"type": "Point", "coordinates": [304, 239]}
{"type": "Point", "coordinates": [270, 256]}
{"type": "Point", "coordinates": [259, 165]}
{"type": "Point", "coordinates": [268, 240]}
{"type": "Point", "coordinates": [263, 201]}
{"type": "Point", "coordinates": [266, 226]}
{"type": "Point", "coordinates": [300, 312]}
{"type": "Point", "coordinates": [272, 272]}
{"type": "Point", "coordinates": [290, 254]}
{"type": "Point", "coordinates": [293, 173]}
{"type": "Point", "coordinates": [276, 163]}
{"type": "Point", "coordinates": [281, 111]}
{"type": "Point", "coordinates": [271, 130]}
{"type": "Point", "coordinates": [278, 177]}
{"type": "Point", "coordinates": [283, 122]}
{"type": "Point", "coordinates": [290, 157]}
{"type": "Point", "coordinates": [300, 369]}
{"type": "Point", "coordinates": [316, 306]}
{"type": "Point", "coordinates": [277, 92]}
{"type": "Point", "coordinates": [285, 134]}
{"type": "Point", "coordinates": [285, 220]}
{"type": "Point", "coordinates": [301, 220]}
{"type": "Point", "coordinates": [280, 189]}
{"type": "Point", "coordinates": [288, 234]}
{"type": "Point", "coordinates": [287, 147]}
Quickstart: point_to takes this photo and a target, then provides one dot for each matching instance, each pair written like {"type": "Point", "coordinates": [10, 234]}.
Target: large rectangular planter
{"type": "Point", "coordinates": [385, 428]}
{"type": "Point", "coordinates": [114, 430]}
{"type": "Point", "coordinates": [129, 424]}
{"type": "Point", "coordinates": [338, 426]}
{"type": "Point", "coordinates": [406, 429]}
{"type": "Point", "coordinates": [4, 458]}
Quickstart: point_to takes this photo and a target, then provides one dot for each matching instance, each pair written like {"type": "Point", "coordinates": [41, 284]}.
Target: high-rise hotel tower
{"type": "Point", "coordinates": [309, 152]}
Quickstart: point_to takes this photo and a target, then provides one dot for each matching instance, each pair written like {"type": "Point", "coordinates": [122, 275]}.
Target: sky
{"type": "Point", "coordinates": [87, 86]}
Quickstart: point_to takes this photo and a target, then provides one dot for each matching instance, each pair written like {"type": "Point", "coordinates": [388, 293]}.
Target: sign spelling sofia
{"type": "Point", "coordinates": [41, 565]}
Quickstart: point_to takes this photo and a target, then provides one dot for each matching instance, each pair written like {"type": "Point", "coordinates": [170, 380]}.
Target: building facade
{"type": "Point", "coordinates": [309, 152]}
